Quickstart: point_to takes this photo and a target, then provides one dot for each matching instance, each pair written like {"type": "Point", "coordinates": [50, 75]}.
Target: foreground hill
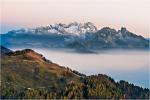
{"type": "Point", "coordinates": [30, 69]}
{"type": "Point", "coordinates": [27, 74]}
{"type": "Point", "coordinates": [78, 36]}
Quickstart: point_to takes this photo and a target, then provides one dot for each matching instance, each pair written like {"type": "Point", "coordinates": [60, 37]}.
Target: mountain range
{"type": "Point", "coordinates": [26, 74]}
{"type": "Point", "coordinates": [78, 36]}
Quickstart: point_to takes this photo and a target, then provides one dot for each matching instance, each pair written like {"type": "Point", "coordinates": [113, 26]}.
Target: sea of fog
{"type": "Point", "coordinates": [130, 65]}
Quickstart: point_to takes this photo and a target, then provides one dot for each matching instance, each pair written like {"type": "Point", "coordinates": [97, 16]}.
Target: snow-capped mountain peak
{"type": "Point", "coordinates": [75, 35]}
{"type": "Point", "coordinates": [73, 28]}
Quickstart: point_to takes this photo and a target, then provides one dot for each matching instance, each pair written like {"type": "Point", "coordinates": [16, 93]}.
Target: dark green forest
{"type": "Point", "coordinates": [91, 87]}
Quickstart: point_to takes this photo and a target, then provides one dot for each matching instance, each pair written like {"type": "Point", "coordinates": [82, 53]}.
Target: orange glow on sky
{"type": "Point", "coordinates": [132, 14]}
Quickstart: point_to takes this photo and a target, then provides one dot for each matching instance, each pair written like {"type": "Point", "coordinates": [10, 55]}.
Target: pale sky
{"type": "Point", "coordinates": [132, 14]}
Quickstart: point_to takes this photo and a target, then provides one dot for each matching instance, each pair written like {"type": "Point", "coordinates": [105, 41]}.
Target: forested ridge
{"type": "Point", "coordinates": [28, 75]}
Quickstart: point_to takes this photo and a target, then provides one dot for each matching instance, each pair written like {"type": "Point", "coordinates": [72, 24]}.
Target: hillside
{"type": "Point", "coordinates": [27, 74]}
{"type": "Point", "coordinates": [30, 69]}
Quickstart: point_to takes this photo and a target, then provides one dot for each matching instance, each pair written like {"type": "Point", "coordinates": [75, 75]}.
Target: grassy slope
{"type": "Point", "coordinates": [31, 70]}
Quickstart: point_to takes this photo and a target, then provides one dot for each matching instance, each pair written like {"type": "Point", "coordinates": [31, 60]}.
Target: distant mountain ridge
{"type": "Point", "coordinates": [73, 28]}
{"type": "Point", "coordinates": [78, 36]}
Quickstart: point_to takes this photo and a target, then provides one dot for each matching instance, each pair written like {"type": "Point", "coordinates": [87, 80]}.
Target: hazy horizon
{"type": "Point", "coordinates": [134, 15]}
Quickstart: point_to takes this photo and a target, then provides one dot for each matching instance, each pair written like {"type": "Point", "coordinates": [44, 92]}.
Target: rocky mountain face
{"type": "Point", "coordinates": [79, 36]}
{"type": "Point", "coordinates": [107, 38]}
{"type": "Point", "coordinates": [25, 74]}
